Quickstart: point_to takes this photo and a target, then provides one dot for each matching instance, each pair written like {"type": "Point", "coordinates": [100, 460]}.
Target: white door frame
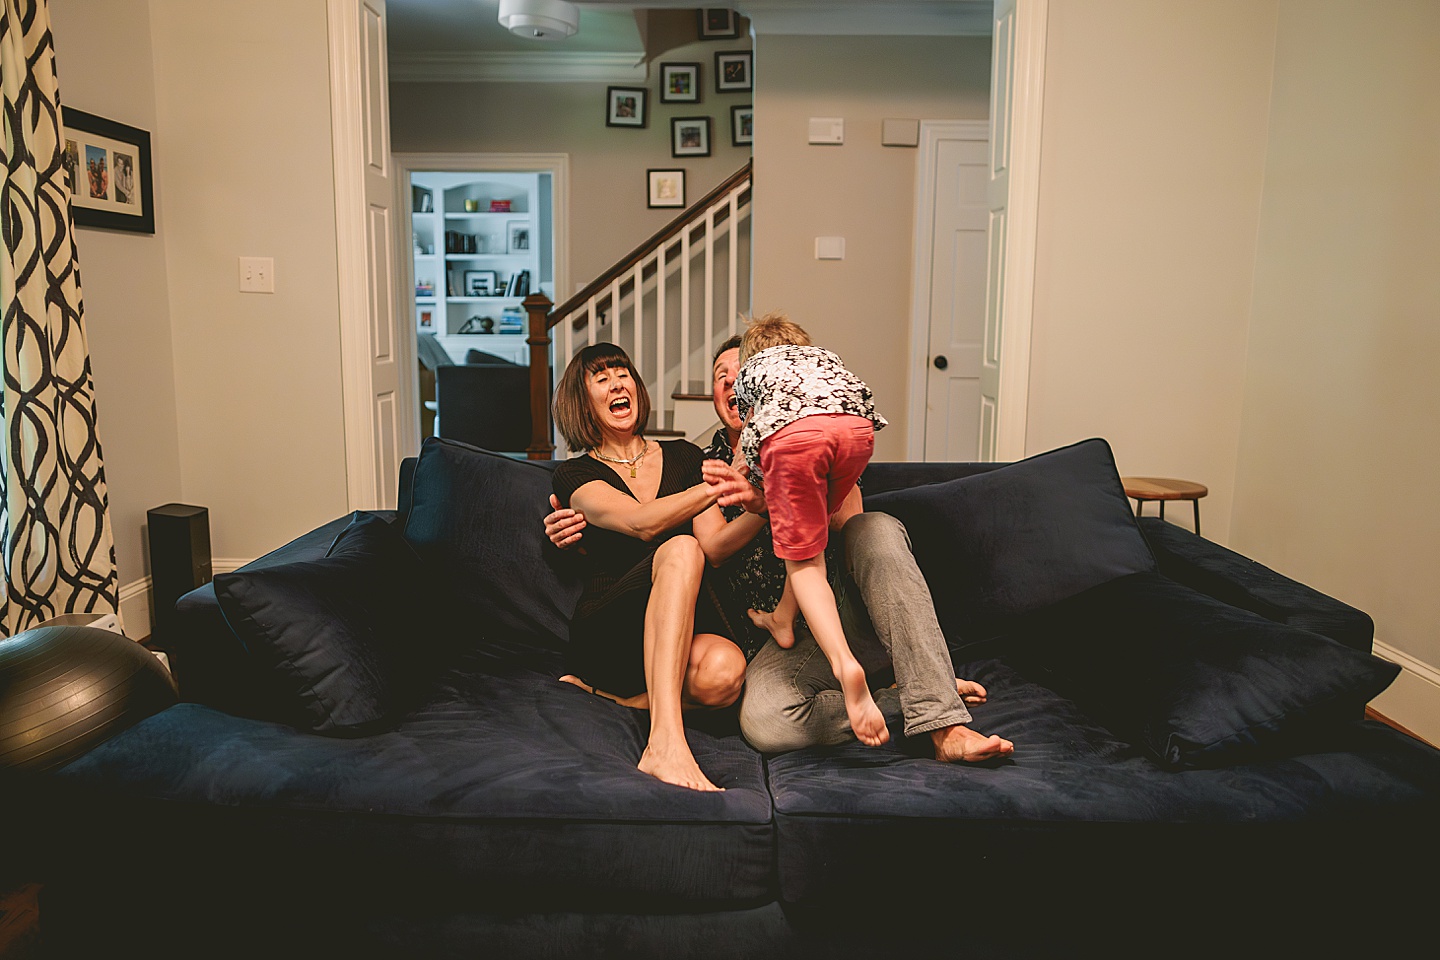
{"type": "Point", "coordinates": [922, 273]}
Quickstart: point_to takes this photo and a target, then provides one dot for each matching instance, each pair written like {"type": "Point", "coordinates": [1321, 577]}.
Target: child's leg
{"type": "Point", "coordinates": [806, 579]}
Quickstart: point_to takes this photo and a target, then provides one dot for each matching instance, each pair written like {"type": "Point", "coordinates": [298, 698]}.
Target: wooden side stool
{"type": "Point", "coordinates": [1160, 489]}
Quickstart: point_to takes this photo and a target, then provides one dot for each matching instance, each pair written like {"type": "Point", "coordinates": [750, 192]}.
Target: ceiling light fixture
{"type": "Point", "coordinates": [540, 19]}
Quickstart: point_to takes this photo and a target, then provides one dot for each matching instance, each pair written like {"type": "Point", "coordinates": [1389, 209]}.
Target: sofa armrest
{"type": "Point", "coordinates": [210, 663]}
{"type": "Point", "coordinates": [1241, 582]}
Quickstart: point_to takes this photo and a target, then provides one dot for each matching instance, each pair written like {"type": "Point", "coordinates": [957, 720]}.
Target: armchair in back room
{"type": "Point", "coordinates": [484, 404]}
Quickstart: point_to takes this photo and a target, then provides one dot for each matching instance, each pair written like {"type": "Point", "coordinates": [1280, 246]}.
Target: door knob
{"type": "Point", "coordinates": [940, 362]}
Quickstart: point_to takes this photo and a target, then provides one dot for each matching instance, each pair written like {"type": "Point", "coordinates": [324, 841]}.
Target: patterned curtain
{"type": "Point", "coordinates": [55, 539]}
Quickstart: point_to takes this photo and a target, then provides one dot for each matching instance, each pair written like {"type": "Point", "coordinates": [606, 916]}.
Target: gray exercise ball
{"type": "Point", "coordinates": [63, 690]}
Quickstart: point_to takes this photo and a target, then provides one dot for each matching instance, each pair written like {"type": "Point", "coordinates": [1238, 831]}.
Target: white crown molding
{"type": "Point", "coordinates": [512, 67]}
{"type": "Point", "coordinates": [904, 18]}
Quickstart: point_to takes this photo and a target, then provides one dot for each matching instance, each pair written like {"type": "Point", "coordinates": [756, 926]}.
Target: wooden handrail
{"type": "Point", "coordinates": [670, 230]}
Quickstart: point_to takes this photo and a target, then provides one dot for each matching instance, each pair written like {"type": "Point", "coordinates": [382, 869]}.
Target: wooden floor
{"type": "Point", "coordinates": [20, 900]}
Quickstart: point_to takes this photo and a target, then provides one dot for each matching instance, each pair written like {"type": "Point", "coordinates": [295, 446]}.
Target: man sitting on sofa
{"type": "Point", "coordinates": [791, 698]}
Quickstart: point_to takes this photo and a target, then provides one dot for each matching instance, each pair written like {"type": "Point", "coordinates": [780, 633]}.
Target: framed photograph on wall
{"type": "Point", "coordinates": [108, 166]}
{"type": "Point", "coordinates": [625, 106]}
{"type": "Point", "coordinates": [718, 23]}
{"type": "Point", "coordinates": [665, 188]}
{"type": "Point", "coordinates": [733, 73]}
{"type": "Point", "coordinates": [742, 125]}
{"type": "Point", "coordinates": [690, 137]}
{"type": "Point", "coordinates": [679, 83]}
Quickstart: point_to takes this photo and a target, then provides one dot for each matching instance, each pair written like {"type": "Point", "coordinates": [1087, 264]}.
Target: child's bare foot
{"type": "Point", "coordinates": [961, 744]}
{"type": "Point", "coordinates": [865, 718]}
{"type": "Point", "coordinates": [641, 701]}
{"type": "Point", "coordinates": [675, 766]}
{"type": "Point", "coordinates": [970, 691]}
{"type": "Point", "coordinates": [781, 629]}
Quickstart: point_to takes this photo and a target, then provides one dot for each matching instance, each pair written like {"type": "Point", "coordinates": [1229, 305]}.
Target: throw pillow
{"type": "Point", "coordinates": [477, 519]}
{"type": "Point", "coordinates": [1191, 679]}
{"type": "Point", "coordinates": [1020, 537]}
{"type": "Point", "coordinates": [329, 633]}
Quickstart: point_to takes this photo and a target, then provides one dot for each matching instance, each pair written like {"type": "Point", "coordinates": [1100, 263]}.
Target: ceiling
{"type": "Point", "coordinates": [419, 27]}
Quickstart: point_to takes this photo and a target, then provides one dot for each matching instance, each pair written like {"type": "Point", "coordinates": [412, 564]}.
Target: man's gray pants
{"type": "Point", "coordinates": [792, 698]}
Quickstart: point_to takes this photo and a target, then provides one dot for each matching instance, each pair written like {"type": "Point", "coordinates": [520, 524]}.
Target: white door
{"type": "Point", "coordinates": [954, 183]}
{"type": "Point", "coordinates": [379, 418]}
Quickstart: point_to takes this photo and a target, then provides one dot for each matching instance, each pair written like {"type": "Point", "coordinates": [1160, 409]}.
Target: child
{"type": "Point", "coordinates": [809, 432]}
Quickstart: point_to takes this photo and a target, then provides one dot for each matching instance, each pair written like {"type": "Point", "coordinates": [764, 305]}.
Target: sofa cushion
{"type": "Point", "coordinates": [327, 632]}
{"type": "Point", "coordinates": [477, 519]}
{"type": "Point", "coordinates": [504, 787]}
{"type": "Point", "coordinates": [1193, 680]}
{"type": "Point", "coordinates": [1072, 792]}
{"type": "Point", "coordinates": [1020, 537]}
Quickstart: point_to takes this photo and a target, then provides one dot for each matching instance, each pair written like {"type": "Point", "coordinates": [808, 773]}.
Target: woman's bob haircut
{"type": "Point", "coordinates": [573, 413]}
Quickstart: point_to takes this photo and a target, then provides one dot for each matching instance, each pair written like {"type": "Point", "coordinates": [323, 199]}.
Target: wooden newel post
{"type": "Point", "coordinates": [537, 305]}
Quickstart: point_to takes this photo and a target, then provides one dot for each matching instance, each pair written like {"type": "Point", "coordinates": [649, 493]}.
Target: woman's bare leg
{"type": "Point", "coordinates": [669, 630]}
{"type": "Point", "coordinates": [817, 602]}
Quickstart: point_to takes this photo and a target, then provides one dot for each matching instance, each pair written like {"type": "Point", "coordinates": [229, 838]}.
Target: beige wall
{"type": "Point", "coordinates": [1341, 392]}
{"type": "Point", "coordinates": [243, 113]}
{"type": "Point", "coordinates": [103, 55]}
{"type": "Point", "coordinates": [608, 215]}
{"type": "Point", "coordinates": [1152, 156]}
{"type": "Point", "coordinates": [207, 396]}
{"type": "Point", "coordinates": [862, 191]}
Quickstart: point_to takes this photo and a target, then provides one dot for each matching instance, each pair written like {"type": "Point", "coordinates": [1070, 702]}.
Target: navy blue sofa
{"type": "Point", "coordinates": [373, 757]}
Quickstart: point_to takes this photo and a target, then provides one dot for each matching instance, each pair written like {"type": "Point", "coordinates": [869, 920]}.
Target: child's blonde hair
{"type": "Point", "coordinates": [772, 330]}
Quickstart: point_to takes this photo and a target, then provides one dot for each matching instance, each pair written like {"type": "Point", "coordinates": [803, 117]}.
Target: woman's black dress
{"type": "Point", "coordinates": [607, 635]}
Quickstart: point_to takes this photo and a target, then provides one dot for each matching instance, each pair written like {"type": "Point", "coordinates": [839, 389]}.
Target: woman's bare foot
{"type": "Point", "coordinates": [961, 744]}
{"type": "Point", "coordinates": [782, 630]}
{"type": "Point", "coordinates": [641, 701]}
{"type": "Point", "coordinates": [675, 766]}
{"type": "Point", "coordinates": [865, 718]}
{"type": "Point", "coordinates": [970, 691]}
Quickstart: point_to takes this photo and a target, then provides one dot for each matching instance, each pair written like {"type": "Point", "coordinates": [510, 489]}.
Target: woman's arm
{"type": "Point", "coordinates": [608, 508]}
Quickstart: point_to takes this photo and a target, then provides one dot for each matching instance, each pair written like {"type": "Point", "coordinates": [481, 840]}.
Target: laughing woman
{"type": "Point", "coordinates": [652, 627]}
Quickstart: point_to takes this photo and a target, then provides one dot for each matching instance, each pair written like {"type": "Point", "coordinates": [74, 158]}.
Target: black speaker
{"type": "Point", "coordinates": [179, 559]}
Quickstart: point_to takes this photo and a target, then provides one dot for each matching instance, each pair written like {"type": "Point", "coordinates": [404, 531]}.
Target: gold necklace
{"type": "Point", "coordinates": [632, 463]}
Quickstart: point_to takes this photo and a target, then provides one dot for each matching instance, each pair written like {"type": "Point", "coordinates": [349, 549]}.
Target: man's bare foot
{"type": "Point", "coordinates": [961, 744]}
{"type": "Point", "coordinates": [970, 691]}
{"type": "Point", "coordinates": [783, 631]}
{"type": "Point", "coordinates": [641, 701]}
{"type": "Point", "coordinates": [677, 767]}
{"type": "Point", "coordinates": [865, 718]}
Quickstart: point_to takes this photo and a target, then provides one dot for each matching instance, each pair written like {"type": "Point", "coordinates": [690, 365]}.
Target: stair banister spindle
{"type": "Point", "coordinates": [732, 224]}
{"type": "Point", "coordinates": [637, 305]}
{"type": "Point", "coordinates": [685, 306]}
{"type": "Point", "coordinates": [709, 280]}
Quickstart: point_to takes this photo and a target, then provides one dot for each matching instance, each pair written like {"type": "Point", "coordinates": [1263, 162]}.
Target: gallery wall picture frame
{"type": "Point", "coordinates": [679, 83]}
{"type": "Point", "coordinates": [665, 188]}
{"type": "Point", "coordinates": [742, 125]}
{"type": "Point", "coordinates": [626, 107]}
{"type": "Point", "coordinates": [718, 23]}
{"type": "Point", "coordinates": [517, 236]}
{"type": "Point", "coordinates": [734, 71]}
{"type": "Point", "coordinates": [690, 137]}
{"type": "Point", "coordinates": [108, 166]}
{"type": "Point", "coordinates": [481, 283]}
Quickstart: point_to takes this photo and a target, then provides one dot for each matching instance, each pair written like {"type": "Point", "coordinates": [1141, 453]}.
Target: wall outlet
{"type": "Point", "coordinates": [257, 275]}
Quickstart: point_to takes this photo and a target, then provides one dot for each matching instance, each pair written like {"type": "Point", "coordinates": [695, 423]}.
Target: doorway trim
{"type": "Point", "coordinates": [407, 164]}
{"type": "Point", "coordinates": [922, 269]}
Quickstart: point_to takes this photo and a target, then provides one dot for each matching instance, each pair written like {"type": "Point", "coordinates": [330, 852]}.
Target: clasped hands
{"type": "Point", "coordinates": [733, 486]}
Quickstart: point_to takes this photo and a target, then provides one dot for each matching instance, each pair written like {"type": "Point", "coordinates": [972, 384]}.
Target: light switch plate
{"type": "Point", "coordinates": [829, 248]}
{"type": "Point", "coordinates": [827, 130]}
{"type": "Point", "coordinates": [257, 275]}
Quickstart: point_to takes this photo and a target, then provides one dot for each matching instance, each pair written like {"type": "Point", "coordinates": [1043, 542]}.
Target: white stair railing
{"type": "Point", "coordinates": [665, 304]}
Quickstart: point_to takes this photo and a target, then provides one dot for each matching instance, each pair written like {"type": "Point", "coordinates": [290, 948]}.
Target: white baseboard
{"type": "Point", "coordinates": [137, 614]}
{"type": "Point", "coordinates": [1413, 700]}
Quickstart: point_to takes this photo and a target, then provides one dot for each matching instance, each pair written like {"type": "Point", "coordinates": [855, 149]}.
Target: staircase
{"type": "Point", "coordinates": [668, 303]}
